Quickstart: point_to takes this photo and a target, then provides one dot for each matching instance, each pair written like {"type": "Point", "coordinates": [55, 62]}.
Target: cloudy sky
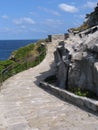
{"type": "Point", "coordinates": [35, 19]}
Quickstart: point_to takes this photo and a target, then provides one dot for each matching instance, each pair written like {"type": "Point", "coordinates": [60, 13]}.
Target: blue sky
{"type": "Point", "coordinates": [35, 19]}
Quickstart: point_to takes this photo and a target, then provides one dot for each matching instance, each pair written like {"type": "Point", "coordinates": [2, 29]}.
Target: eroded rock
{"type": "Point", "coordinates": [77, 62]}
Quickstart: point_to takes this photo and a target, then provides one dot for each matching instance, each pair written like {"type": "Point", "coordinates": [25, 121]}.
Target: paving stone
{"type": "Point", "coordinates": [19, 127]}
{"type": "Point", "coordinates": [25, 106]}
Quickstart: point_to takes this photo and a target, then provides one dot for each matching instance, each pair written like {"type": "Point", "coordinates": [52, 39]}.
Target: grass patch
{"type": "Point", "coordinates": [80, 92]}
{"type": "Point", "coordinates": [22, 59]}
{"type": "Point", "coordinates": [83, 27]}
{"type": "Point", "coordinates": [84, 93]}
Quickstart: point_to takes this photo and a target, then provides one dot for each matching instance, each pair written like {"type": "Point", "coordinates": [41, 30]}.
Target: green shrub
{"type": "Point", "coordinates": [84, 93]}
{"type": "Point", "coordinates": [24, 58]}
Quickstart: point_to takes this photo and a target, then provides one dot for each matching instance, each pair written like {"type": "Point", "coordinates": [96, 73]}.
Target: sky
{"type": "Point", "coordinates": [35, 19]}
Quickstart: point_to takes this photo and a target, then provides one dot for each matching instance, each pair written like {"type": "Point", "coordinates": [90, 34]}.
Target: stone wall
{"type": "Point", "coordinates": [57, 37]}
{"type": "Point", "coordinates": [65, 95]}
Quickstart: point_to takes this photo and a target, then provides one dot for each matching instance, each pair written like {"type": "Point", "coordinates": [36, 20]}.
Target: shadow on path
{"type": "Point", "coordinates": [50, 72]}
{"type": "Point", "coordinates": [43, 75]}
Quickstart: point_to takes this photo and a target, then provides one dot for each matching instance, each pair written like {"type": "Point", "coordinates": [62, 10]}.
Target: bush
{"type": "Point", "coordinates": [84, 93]}
{"type": "Point", "coordinates": [24, 58]}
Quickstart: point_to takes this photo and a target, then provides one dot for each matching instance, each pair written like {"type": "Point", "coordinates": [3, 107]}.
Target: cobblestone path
{"type": "Point", "coordinates": [25, 106]}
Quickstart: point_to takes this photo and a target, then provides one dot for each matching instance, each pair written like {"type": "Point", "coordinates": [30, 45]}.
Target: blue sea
{"type": "Point", "coordinates": [8, 46]}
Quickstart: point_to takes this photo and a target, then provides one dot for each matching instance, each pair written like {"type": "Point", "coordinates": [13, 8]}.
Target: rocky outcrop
{"type": "Point", "coordinates": [77, 62]}
{"type": "Point", "coordinates": [92, 18]}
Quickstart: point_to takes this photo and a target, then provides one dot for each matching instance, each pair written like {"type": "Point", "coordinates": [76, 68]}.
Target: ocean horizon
{"type": "Point", "coordinates": [8, 46]}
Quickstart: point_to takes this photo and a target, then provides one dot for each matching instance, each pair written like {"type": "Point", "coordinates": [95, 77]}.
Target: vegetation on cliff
{"type": "Point", "coordinates": [22, 59]}
{"type": "Point", "coordinates": [91, 20]}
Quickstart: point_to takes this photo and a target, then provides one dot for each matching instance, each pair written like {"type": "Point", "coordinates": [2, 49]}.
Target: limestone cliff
{"type": "Point", "coordinates": [77, 61]}
{"type": "Point", "coordinates": [77, 57]}
{"type": "Point", "coordinates": [92, 18]}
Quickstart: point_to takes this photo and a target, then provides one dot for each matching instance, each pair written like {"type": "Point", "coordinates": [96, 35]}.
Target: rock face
{"type": "Point", "coordinates": [92, 18]}
{"type": "Point", "coordinates": [77, 62]}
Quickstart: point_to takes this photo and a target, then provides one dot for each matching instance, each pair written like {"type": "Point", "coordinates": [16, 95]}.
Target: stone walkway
{"type": "Point", "coordinates": [25, 106]}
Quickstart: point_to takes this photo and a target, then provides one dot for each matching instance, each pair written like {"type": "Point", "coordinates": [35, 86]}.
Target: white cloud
{"type": "Point", "coordinates": [80, 16]}
{"type": "Point", "coordinates": [68, 8]}
{"type": "Point", "coordinates": [38, 30]}
{"type": "Point", "coordinates": [33, 13]}
{"type": "Point", "coordinates": [53, 22]}
{"type": "Point", "coordinates": [5, 29]}
{"type": "Point", "coordinates": [5, 16]}
{"type": "Point", "coordinates": [77, 23]}
{"type": "Point", "coordinates": [25, 20]}
{"type": "Point", "coordinates": [23, 27]}
{"type": "Point", "coordinates": [90, 4]}
{"type": "Point", "coordinates": [53, 12]}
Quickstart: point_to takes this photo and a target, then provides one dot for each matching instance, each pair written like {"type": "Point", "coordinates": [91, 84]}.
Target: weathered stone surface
{"type": "Point", "coordinates": [92, 18]}
{"type": "Point", "coordinates": [62, 60]}
{"type": "Point", "coordinates": [65, 95]}
{"type": "Point", "coordinates": [77, 62]}
{"type": "Point", "coordinates": [56, 37]}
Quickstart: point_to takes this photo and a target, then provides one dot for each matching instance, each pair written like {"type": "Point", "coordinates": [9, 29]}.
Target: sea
{"type": "Point", "coordinates": [8, 46]}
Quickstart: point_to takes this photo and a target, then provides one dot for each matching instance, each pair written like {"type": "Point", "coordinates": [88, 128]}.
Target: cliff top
{"type": "Point", "coordinates": [91, 20]}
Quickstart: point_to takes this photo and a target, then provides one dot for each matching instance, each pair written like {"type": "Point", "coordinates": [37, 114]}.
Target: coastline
{"type": "Point", "coordinates": [8, 46]}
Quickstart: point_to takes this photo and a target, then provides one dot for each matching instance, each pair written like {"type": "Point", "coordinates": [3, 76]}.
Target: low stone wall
{"type": "Point", "coordinates": [65, 95]}
{"type": "Point", "coordinates": [56, 37]}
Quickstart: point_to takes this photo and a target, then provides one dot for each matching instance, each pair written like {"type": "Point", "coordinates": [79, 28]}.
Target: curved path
{"type": "Point", "coordinates": [25, 106]}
